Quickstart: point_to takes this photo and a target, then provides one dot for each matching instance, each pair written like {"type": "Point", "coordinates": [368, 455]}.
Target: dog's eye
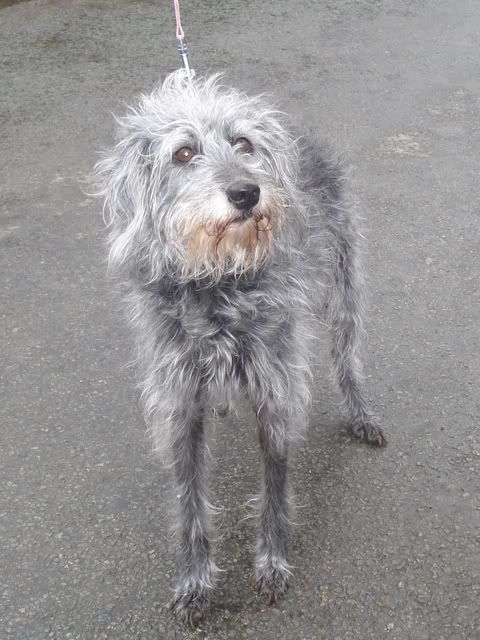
{"type": "Point", "coordinates": [184, 154]}
{"type": "Point", "coordinates": [243, 144]}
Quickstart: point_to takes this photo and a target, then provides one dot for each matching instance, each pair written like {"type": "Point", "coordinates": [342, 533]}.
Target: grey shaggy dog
{"type": "Point", "coordinates": [229, 232]}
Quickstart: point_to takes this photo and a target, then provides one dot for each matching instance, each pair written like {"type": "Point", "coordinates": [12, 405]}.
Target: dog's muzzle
{"type": "Point", "coordinates": [243, 195]}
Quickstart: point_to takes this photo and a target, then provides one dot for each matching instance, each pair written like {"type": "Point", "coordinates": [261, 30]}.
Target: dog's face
{"type": "Point", "coordinates": [201, 182]}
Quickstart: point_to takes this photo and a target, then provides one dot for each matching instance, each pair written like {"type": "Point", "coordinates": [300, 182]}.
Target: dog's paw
{"type": "Point", "coordinates": [272, 582]}
{"type": "Point", "coordinates": [368, 432]}
{"type": "Point", "coordinates": [190, 606]}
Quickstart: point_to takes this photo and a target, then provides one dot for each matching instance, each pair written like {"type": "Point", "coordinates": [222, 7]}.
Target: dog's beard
{"type": "Point", "coordinates": [233, 244]}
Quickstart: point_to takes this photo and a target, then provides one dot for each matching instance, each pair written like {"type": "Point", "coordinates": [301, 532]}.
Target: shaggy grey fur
{"type": "Point", "coordinates": [221, 294]}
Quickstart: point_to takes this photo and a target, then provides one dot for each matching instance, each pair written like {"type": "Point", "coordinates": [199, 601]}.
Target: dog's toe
{"type": "Point", "coordinates": [370, 433]}
{"type": "Point", "coordinates": [190, 607]}
{"type": "Point", "coordinates": [272, 585]}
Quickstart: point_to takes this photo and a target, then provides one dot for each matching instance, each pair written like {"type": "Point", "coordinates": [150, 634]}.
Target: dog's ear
{"type": "Point", "coordinates": [273, 131]}
{"type": "Point", "coordinates": [322, 170]}
{"type": "Point", "coordinates": [123, 180]}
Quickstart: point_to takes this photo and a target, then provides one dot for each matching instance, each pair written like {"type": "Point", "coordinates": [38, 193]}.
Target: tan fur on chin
{"type": "Point", "coordinates": [232, 246]}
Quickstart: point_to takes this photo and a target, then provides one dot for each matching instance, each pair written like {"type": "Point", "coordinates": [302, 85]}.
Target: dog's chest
{"type": "Point", "coordinates": [229, 325]}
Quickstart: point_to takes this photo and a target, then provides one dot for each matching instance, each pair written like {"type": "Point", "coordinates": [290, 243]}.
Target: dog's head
{"type": "Point", "coordinates": [201, 183]}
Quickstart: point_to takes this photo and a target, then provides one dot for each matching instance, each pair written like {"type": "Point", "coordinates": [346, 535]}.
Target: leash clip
{"type": "Point", "coordinates": [183, 51]}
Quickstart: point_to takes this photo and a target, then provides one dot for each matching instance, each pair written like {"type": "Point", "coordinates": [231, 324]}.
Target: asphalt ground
{"type": "Point", "coordinates": [387, 542]}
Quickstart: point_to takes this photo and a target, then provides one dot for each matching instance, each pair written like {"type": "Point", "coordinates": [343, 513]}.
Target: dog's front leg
{"type": "Point", "coordinates": [189, 450]}
{"type": "Point", "coordinates": [272, 570]}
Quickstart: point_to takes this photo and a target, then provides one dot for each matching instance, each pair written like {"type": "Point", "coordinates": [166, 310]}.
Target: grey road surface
{"type": "Point", "coordinates": [387, 543]}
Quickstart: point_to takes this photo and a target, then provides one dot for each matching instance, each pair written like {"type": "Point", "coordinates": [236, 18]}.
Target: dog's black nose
{"type": "Point", "coordinates": [244, 195]}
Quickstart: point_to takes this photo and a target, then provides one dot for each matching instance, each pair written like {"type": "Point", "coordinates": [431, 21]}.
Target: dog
{"type": "Point", "coordinates": [228, 231]}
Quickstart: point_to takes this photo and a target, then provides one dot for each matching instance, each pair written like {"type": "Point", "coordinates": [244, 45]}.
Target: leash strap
{"type": "Point", "coordinates": [182, 43]}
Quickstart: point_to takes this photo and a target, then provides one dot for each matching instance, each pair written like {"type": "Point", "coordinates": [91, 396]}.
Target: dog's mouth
{"type": "Point", "coordinates": [260, 219]}
{"type": "Point", "coordinates": [238, 241]}
{"type": "Point", "coordinates": [243, 216]}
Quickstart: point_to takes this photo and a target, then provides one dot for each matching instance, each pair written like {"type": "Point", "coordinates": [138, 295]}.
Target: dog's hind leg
{"type": "Point", "coordinates": [189, 450]}
{"type": "Point", "coordinates": [344, 308]}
